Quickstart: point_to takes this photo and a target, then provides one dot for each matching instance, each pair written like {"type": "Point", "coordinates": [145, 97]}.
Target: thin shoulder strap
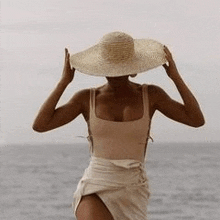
{"type": "Point", "coordinates": [145, 99]}
{"type": "Point", "coordinates": [91, 117]}
{"type": "Point", "coordinates": [147, 115]}
{"type": "Point", "coordinates": [92, 101]}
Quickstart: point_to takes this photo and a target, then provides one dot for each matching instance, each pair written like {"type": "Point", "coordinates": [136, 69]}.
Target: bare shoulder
{"type": "Point", "coordinates": [81, 100]}
{"type": "Point", "coordinates": [81, 96]}
{"type": "Point", "coordinates": [155, 90]}
{"type": "Point", "coordinates": [157, 97]}
{"type": "Point", "coordinates": [156, 93]}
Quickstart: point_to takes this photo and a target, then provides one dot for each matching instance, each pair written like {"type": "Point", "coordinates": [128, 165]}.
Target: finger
{"type": "Point", "coordinates": [169, 54]}
{"type": "Point", "coordinates": [166, 48]}
{"type": "Point", "coordinates": [73, 69]}
{"type": "Point", "coordinates": [168, 57]}
{"type": "Point", "coordinates": [65, 54]}
{"type": "Point", "coordinates": [68, 54]}
{"type": "Point", "coordinates": [66, 51]}
{"type": "Point", "coordinates": [165, 66]}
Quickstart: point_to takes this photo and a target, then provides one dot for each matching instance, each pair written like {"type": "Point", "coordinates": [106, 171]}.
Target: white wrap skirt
{"type": "Point", "coordinates": [121, 184]}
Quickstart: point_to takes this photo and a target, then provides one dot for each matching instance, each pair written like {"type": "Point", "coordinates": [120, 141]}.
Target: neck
{"type": "Point", "coordinates": [118, 83]}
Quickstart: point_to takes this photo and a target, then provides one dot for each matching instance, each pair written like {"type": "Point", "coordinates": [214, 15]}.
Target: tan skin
{"type": "Point", "coordinates": [118, 100]}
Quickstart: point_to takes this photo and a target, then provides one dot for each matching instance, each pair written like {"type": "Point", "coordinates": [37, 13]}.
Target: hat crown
{"type": "Point", "coordinates": [117, 47]}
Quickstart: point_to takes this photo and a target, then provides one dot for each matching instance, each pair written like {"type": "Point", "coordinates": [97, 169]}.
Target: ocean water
{"type": "Point", "coordinates": [37, 181]}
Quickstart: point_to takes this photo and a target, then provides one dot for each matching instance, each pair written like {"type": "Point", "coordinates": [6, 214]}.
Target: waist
{"type": "Point", "coordinates": [125, 171]}
{"type": "Point", "coordinates": [116, 163]}
{"type": "Point", "coordinates": [117, 150]}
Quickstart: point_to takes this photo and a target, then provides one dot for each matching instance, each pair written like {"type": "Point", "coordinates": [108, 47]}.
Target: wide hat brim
{"type": "Point", "coordinates": [148, 54]}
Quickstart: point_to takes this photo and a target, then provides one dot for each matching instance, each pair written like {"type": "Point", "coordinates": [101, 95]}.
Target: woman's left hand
{"type": "Point", "coordinates": [171, 68]}
{"type": "Point", "coordinates": [68, 72]}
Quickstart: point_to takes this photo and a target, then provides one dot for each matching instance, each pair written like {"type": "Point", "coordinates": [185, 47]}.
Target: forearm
{"type": "Point", "coordinates": [48, 108]}
{"type": "Point", "coordinates": [188, 98]}
{"type": "Point", "coordinates": [191, 105]}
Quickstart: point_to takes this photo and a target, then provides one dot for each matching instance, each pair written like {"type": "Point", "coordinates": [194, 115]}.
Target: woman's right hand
{"type": "Point", "coordinates": [171, 68]}
{"type": "Point", "coordinates": [68, 72]}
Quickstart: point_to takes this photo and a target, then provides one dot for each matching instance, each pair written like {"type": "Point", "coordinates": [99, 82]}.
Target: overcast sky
{"type": "Point", "coordinates": [35, 33]}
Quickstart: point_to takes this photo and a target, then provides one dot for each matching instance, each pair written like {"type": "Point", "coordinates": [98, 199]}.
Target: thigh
{"type": "Point", "coordinates": [91, 207]}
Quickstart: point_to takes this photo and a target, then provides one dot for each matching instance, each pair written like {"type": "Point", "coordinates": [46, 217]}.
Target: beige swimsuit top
{"type": "Point", "coordinates": [119, 140]}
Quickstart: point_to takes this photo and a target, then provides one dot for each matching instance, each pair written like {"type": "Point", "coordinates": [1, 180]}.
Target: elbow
{"type": "Point", "coordinates": [196, 119]}
{"type": "Point", "coordinates": [198, 123]}
{"type": "Point", "coordinates": [39, 129]}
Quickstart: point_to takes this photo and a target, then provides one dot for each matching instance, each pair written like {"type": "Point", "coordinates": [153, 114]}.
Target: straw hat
{"type": "Point", "coordinates": [118, 54]}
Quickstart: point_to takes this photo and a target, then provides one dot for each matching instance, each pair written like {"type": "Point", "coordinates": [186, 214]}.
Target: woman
{"type": "Point", "coordinates": [118, 114]}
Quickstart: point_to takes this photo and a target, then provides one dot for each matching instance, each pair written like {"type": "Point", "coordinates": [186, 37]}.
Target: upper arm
{"type": "Point", "coordinates": [172, 109]}
{"type": "Point", "coordinates": [66, 113]}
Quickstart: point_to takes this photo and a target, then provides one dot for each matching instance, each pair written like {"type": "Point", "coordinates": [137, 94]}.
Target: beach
{"type": "Point", "coordinates": [38, 180]}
